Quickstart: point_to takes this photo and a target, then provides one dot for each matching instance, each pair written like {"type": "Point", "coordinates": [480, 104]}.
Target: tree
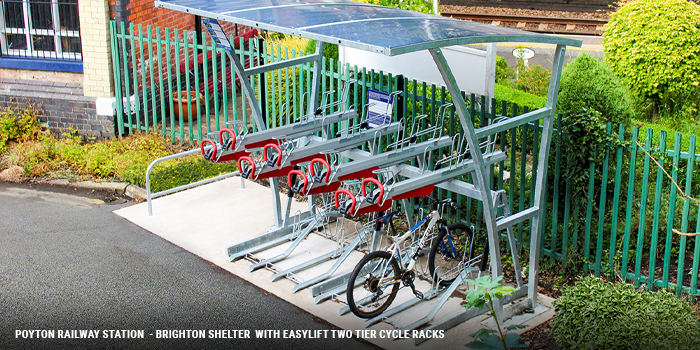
{"type": "Point", "coordinates": [587, 83]}
{"type": "Point", "coordinates": [653, 46]}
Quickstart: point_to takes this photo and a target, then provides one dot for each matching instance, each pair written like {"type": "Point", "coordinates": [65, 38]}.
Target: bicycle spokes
{"type": "Point", "coordinates": [373, 284]}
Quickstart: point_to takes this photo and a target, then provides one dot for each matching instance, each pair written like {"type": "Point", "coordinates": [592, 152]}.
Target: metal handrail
{"type": "Point", "coordinates": [150, 196]}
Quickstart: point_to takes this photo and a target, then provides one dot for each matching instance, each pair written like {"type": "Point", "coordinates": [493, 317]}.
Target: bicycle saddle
{"type": "Point", "coordinates": [387, 218]}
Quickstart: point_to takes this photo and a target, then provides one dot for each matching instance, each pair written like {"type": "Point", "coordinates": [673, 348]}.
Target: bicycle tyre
{"type": "Point", "coordinates": [370, 286]}
{"type": "Point", "coordinates": [447, 261]}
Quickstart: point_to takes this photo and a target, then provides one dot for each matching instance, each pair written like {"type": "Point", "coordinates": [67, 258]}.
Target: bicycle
{"type": "Point", "coordinates": [383, 269]}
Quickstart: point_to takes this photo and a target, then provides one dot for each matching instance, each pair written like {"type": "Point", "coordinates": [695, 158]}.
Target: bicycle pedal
{"type": "Point", "coordinates": [417, 293]}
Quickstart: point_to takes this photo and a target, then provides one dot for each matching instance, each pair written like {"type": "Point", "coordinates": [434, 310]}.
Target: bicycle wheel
{"type": "Point", "coordinates": [449, 253]}
{"type": "Point", "coordinates": [373, 284]}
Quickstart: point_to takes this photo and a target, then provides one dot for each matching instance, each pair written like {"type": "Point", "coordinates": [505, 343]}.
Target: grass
{"type": "Point", "coordinates": [685, 131]}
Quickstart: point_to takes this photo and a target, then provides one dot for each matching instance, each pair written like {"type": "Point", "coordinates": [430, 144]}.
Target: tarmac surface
{"type": "Point", "coordinates": [69, 263]}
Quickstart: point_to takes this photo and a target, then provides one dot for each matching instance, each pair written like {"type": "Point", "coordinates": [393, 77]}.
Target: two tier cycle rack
{"type": "Point", "coordinates": [393, 32]}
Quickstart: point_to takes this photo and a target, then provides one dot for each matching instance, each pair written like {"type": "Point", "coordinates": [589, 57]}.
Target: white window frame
{"type": "Point", "coordinates": [28, 31]}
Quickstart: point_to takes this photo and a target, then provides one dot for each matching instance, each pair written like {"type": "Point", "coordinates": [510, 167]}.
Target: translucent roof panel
{"type": "Point", "coordinates": [368, 27]}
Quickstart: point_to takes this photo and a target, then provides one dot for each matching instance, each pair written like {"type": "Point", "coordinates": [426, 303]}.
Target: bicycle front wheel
{"type": "Point", "coordinates": [451, 251]}
{"type": "Point", "coordinates": [373, 284]}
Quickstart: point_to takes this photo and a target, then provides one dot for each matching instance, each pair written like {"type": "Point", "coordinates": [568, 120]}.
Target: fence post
{"type": "Point", "coordinates": [400, 98]}
{"type": "Point", "coordinates": [263, 82]}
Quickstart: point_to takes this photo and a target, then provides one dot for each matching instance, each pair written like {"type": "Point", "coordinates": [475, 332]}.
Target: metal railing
{"type": "Point", "coordinates": [622, 224]}
{"type": "Point", "coordinates": [150, 196]}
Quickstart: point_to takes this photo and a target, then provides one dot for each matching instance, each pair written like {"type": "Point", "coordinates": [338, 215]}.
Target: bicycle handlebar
{"type": "Point", "coordinates": [444, 201]}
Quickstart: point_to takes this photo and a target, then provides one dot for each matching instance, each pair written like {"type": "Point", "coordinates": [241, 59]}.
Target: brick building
{"type": "Point", "coordinates": [56, 54]}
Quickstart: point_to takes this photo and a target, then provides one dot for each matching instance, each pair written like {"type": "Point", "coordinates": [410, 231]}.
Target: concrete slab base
{"type": "Point", "coordinates": [206, 220]}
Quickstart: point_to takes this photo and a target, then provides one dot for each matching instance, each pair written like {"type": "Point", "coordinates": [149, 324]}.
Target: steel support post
{"type": "Point", "coordinates": [548, 121]}
{"type": "Point", "coordinates": [480, 168]}
{"type": "Point", "coordinates": [259, 121]}
{"type": "Point", "coordinates": [313, 100]}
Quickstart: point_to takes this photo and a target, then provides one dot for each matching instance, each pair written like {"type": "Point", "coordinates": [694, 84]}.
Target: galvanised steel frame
{"type": "Point", "coordinates": [391, 36]}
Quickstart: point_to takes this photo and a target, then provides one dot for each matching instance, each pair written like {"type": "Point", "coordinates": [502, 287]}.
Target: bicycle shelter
{"type": "Point", "coordinates": [393, 32]}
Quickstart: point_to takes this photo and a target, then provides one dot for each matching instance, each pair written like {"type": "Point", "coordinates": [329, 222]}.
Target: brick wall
{"type": "Point", "coordinates": [62, 106]}
{"type": "Point", "coordinates": [143, 12]}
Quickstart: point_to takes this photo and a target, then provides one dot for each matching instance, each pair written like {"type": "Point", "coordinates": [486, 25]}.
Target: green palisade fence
{"type": "Point", "coordinates": [623, 224]}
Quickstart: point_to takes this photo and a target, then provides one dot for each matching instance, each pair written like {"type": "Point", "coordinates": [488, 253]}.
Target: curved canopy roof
{"type": "Point", "coordinates": [349, 23]}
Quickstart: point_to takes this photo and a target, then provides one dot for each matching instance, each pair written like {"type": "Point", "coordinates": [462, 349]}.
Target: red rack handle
{"type": "Point", "coordinates": [325, 163]}
{"type": "Point", "coordinates": [376, 182]}
{"type": "Point", "coordinates": [249, 160]}
{"type": "Point", "coordinates": [279, 152]}
{"type": "Point", "coordinates": [213, 145]}
{"type": "Point", "coordinates": [352, 196]}
{"type": "Point", "coordinates": [231, 133]}
{"type": "Point", "coordinates": [303, 176]}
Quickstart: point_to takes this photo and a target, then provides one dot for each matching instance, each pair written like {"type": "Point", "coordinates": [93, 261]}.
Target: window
{"type": "Point", "coordinates": [40, 29]}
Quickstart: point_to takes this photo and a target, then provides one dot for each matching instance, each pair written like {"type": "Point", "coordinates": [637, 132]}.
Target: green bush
{"type": "Point", "coordinates": [653, 46]}
{"type": "Point", "coordinates": [598, 315]}
{"type": "Point", "coordinates": [329, 50]}
{"type": "Point", "coordinates": [590, 97]}
{"type": "Point", "coordinates": [424, 6]}
{"type": "Point", "coordinates": [532, 79]}
{"type": "Point", "coordinates": [503, 71]}
{"type": "Point", "coordinates": [16, 126]}
{"type": "Point", "coordinates": [281, 84]}
{"type": "Point", "coordinates": [168, 175]}
{"type": "Point", "coordinates": [587, 83]}
{"type": "Point", "coordinates": [509, 94]}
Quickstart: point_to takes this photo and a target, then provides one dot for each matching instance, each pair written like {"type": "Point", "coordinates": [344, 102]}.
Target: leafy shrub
{"type": "Point", "coordinates": [509, 94]}
{"type": "Point", "coordinates": [329, 50]}
{"type": "Point", "coordinates": [283, 80]}
{"type": "Point", "coordinates": [587, 83]}
{"type": "Point", "coordinates": [413, 5]}
{"type": "Point", "coordinates": [14, 126]}
{"type": "Point", "coordinates": [503, 71]}
{"type": "Point", "coordinates": [40, 153]}
{"type": "Point", "coordinates": [168, 175]}
{"type": "Point", "coordinates": [597, 315]}
{"type": "Point", "coordinates": [532, 79]}
{"type": "Point", "coordinates": [653, 46]}
{"type": "Point", "coordinates": [590, 97]}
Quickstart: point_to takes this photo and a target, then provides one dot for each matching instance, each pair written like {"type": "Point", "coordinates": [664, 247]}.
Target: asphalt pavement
{"type": "Point", "coordinates": [67, 263]}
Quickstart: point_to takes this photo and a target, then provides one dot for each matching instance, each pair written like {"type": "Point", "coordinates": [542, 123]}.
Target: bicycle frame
{"type": "Point", "coordinates": [395, 250]}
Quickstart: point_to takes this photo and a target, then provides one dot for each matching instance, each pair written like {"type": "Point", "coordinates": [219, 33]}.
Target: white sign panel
{"type": "Point", "coordinates": [380, 108]}
{"type": "Point", "coordinates": [474, 69]}
{"type": "Point", "coordinates": [217, 33]}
